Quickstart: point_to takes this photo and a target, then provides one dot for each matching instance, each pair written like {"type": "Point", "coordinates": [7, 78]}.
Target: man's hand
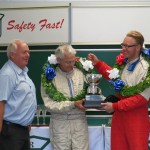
{"type": "Point", "coordinates": [93, 58]}
{"type": "Point", "coordinates": [107, 106]}
{"type": "Point", "coordinates": [79, 104]}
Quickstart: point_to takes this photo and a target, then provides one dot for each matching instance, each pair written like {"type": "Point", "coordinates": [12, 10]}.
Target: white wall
{"type": "Point", "coordinates": [105, 25]}
{"type": "Point", "coordinates": [98, 22]}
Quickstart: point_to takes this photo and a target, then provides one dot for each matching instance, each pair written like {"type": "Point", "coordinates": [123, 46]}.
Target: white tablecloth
{"type": "Point", "coordinates": [39, 137]}
{"type": "Point", "coordinates": [107, 131]}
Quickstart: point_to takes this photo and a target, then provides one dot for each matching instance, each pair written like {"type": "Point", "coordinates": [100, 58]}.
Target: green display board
{"type": "Point", "coordinates": [38, 58]}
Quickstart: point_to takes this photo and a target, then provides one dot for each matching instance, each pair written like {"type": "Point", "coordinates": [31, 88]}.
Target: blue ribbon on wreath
{"type": "Point", "coordinates": [49, 72]}
{"type": "Point", "coordinates": [118, 84]}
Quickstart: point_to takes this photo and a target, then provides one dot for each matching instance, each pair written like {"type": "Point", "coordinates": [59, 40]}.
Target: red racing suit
{"type": "Point", "coordinates": [130, 121]}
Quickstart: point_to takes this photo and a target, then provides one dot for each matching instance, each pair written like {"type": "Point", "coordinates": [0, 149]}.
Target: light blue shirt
{"type": "Point", "coordinates": [19, 93]}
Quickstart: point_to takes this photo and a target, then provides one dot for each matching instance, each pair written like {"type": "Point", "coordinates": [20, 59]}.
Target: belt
{"type": "Point", "coordinates": [14, 124]}
{"type": "Point", "coordinates": [68, 116]}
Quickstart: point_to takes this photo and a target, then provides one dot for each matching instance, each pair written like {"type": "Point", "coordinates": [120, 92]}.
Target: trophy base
{"type": "Point", "coordinates": [92, 101]}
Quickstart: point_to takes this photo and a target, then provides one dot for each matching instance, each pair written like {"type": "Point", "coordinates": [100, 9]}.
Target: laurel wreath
{"type": "Point", "coordinates": [51, 90]}
{"type": "Point", "coordinates": [140, 87]}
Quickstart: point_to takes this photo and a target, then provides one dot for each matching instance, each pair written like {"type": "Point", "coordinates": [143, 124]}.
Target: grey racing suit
{"type": "Point", "coordinates": [68, 124]}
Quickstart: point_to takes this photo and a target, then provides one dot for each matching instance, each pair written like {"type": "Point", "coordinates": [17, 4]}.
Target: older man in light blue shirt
{"type": "Point", "coordinates": [17, 98]}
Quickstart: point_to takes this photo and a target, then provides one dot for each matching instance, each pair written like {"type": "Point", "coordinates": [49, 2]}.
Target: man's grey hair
{"type": "Point", "coordinates": [63, 49]}
{"type": "Point", "coordinates": [13, 45]}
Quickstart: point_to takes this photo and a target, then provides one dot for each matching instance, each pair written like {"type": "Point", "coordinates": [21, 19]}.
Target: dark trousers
{"type": "Point", "coordinates": [14, 137]}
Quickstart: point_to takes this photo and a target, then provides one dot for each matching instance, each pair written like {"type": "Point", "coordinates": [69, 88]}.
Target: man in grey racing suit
{"type": "Point", "coordinates": [68, 123]}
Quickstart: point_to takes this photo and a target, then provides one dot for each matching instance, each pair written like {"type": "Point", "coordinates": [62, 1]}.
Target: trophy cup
{"type": "Point", "coordinates": [94, 97]}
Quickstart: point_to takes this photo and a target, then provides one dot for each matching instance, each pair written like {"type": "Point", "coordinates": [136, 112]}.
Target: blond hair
{"type": "Point", "coordinates": [137, 36]}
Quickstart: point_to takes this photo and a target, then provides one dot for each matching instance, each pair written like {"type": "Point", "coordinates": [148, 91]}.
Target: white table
{"type": "Point", "coordinates": [39, 137]}
{"type": "Point", "coordinates": [107, 131]}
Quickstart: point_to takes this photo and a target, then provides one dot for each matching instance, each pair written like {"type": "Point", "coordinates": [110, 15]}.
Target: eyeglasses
{"type": "Point", "coordinates": [127, 46]}
{"type": "Point", "coordinates": [69, 62]}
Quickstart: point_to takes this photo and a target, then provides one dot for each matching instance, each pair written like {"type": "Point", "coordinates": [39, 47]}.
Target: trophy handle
{"type": "Point", "coordinates": [99, 90]}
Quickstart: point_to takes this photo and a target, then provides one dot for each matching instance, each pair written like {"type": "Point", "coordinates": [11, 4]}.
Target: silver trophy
{"type": "Point", "coordinates": [94, 96]}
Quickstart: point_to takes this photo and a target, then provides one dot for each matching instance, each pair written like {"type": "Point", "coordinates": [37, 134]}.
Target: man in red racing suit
{"type": "Point", "coordinates": [130, 121]}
